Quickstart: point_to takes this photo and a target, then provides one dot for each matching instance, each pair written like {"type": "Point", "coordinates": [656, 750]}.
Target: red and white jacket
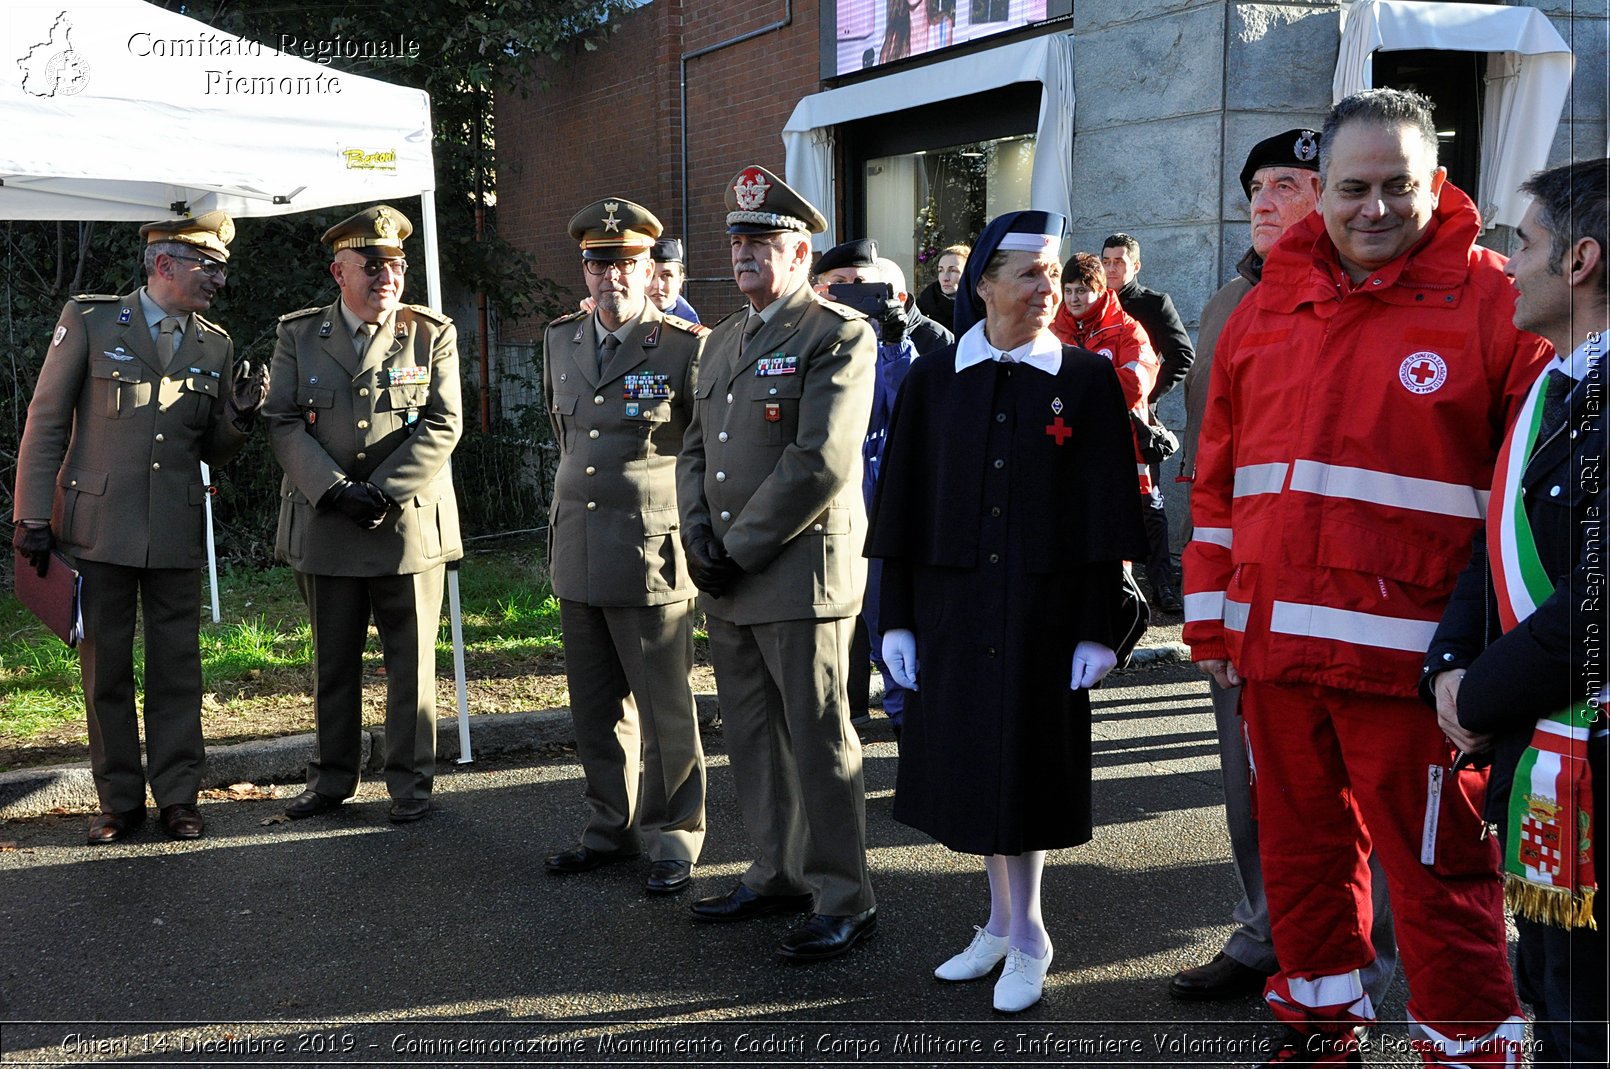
{"type": "Point", "coordinates": [1346, 454]}
{"type": "Point", "coordinates": [1112, 332]}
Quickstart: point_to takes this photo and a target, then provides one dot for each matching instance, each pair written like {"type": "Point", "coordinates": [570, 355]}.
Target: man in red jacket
{"type": "Point", "coordinates": [1357, 400]}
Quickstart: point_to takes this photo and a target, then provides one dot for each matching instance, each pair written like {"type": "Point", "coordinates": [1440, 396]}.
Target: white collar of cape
{"type": "Point", "coordinates": [1043, 351]}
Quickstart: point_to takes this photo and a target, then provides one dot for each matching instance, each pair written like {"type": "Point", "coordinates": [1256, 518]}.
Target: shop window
{"type": "Point", "coordinates": [1455, 84]}
{"type": "Point", "coordinates": [920, 202]}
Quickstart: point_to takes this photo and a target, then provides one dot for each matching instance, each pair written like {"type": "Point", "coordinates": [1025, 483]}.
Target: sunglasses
{"type": "Point", "coordinates": [210, 268]}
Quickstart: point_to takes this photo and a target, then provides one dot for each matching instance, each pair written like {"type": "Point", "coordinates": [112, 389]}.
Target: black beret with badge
{"type": "Point", "coordinates": [758, 202]}
{"type": "Point", "coordinates": [211, 232]}
{"type": "Point", "coordinates": [614, 228]}
{"type": "Point", "coordinates": [1297, 148]}
{"type": "Point", "coordinates": [378, 231]}
{"type": "Point", "coordinates": [862, 252]}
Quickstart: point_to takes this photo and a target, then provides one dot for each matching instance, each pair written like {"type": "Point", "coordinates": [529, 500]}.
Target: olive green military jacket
{"type": "Point", "coordinates": [391, 419]}
{"type": "Point", "coordinates": [772, 460]}
{"type": "Point", "coordinates": [613, 527]}
{"type": "Point", "coordinates": [112, 448]}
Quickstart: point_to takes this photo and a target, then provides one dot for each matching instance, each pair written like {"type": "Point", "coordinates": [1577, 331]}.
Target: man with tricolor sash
{"type": "Point", "coordinates": [1357, 399]}
{"type": "Point", "coordinates": [1517, 667]}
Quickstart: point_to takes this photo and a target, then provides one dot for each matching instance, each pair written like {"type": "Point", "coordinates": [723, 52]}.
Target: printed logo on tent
{"type": "Point", "coordinates": [53, 67]}
{"type": "Point", "coordinates": [359, 159]}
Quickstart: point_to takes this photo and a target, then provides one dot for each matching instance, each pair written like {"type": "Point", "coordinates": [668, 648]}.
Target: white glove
{"type": "Point", "coordinates": [900, 654]}
{"type": "Point", "coordinates": [1091, 661]}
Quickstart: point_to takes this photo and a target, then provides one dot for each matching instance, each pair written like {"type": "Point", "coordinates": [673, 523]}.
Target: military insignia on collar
{"type": "Point", "coordinates": [324, 329]}
{"type": "Point", "coordinates": [579, 327]}
{"type": "Point", "coordinates": [1307, 146]}
{"type": "Point", "coordinates": [1056, 406]}
{"type": "Point", "coordinates": [125, 314]}
{"type": "Point", "coordinates": [776, 364]}
{"type": "Point", "coordinates": [61, 332]}
{"type": "Point", "coordinates": [418, 375]}
{"type": "Point", "coordinates": [652, 338]}
{"type": "Point", "coordinates": [400, 332]}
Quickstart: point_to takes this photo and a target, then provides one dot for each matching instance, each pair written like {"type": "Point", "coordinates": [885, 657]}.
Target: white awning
{"type": "Point", "coordinates": [808, 134]}
{"type": "Point", "coordinates": [1528, 78]}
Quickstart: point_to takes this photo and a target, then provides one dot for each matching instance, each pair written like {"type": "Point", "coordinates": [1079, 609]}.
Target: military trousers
{"type": "Point", "coordinates": [795, 758]}
{"type": "Point", "coordinates": [633, 710]}
{"type": "Point", "coordinates": [170, 602]}
{"type": "Point", "coordinates": [407, 612]}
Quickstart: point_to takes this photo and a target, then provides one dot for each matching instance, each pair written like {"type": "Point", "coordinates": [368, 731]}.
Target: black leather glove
{"type": "Point", "coordinates": [712, 570]}
{"type": "Point", "coordinates": [35, 544]}
{"type": "Point", "coordinates": [362, 503]}
{"type": "Point", "coordinates": [248, 390]}
{"type": "Point", "coordinates": [892, 322]}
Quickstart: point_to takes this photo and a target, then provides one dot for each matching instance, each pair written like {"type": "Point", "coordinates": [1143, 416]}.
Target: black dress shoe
{"type": "Point", "coordinates": [1221, 978]}
{"type": "Point", "coordinates": [311, 803]}
{"type": "Point", "coordinates": [181, 821]}
{"type": "Point", "coordinates": [824, 937]}
{"type": "Point", "coordinates": [741, 904]}
{"type": "Point", "coordinates": [668, 877]}
{"type": "Point", "coordinates": [110, 827]}
{"type": "Point", "coordinates": [583, 859]}
{"type": "Point", "coordinates": [408, 810]}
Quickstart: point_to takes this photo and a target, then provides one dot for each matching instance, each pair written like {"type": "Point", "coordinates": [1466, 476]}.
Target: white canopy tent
{"type": "Point", "coordinates": [808, 134]}
{"type": "Point", "coordinates": [120, 110]}
{"type": "Point", "coordinates": [1528, 78]}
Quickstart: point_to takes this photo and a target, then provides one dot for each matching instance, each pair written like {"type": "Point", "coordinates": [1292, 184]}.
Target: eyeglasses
{"type": "Point", "coordinates": [210, 268]}
{"type": "Point", "coordinates": [373, 265]}
{"type": "Point", "coordinates": [601, 268]}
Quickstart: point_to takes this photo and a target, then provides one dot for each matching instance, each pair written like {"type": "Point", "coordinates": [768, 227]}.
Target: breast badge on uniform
{"type": "Point", "coordinates": [776, 364]}
{"type": "Point", "coordinates": [633, 409]}
{"type": "Point", "coordinates": [1423, 372]}
{"type": "Point", "coordinates": [418, 375]}
{"type": "Point", "coordinates": [647, 385]}
{"type": "Point", "coordinates": [119, 354]}
{"type": "Point", "coordinates": [774, 412]}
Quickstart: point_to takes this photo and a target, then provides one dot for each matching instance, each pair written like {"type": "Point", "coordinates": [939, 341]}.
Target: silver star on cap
{"type": "Point", "coordinates": [610, 222]}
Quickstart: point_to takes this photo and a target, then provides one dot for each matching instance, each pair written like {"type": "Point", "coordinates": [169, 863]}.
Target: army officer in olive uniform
{"type": "Point", "coordinates": [363, 414]}
{"type": "Point", "coordinates": [769, 483]}
{"type": "Point", "coordinates": [134, 392]}
{"type": "Point", "coordinates": [619, 387]}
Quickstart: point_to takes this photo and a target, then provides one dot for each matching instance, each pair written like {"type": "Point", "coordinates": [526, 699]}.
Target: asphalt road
{"type": "Point", "coordinates": [350, 941]}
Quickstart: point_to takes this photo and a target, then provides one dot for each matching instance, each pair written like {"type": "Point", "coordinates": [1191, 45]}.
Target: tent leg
{"type": "Point", "coordinates": [456, 615]}
{"type": "Point", "coordinates": [212, 545]}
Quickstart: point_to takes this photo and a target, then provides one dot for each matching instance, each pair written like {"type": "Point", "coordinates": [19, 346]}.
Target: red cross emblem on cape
{"type": "Point", "coordinates": [1059, 430]}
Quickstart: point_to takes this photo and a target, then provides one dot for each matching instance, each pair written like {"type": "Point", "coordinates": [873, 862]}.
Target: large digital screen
{"type": "Point", "coordinates": [861, 34]}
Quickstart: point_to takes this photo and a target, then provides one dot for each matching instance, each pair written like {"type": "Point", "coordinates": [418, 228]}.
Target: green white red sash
{"type": "Point", "coordinates": [1548, 863]}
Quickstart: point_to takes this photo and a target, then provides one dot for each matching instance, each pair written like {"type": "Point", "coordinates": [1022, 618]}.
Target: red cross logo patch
{"type": "Point", "coordinates": [1422, 372]}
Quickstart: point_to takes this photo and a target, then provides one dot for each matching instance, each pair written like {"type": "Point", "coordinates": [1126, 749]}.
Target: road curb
{"type": "Point", "coordinates": [32, 792]}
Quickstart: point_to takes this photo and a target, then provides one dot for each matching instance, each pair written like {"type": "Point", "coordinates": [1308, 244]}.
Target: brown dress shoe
{"type": "Point", "coordinates": [110, 827]}
{"type": "Point", "coordinates": [181, 821]}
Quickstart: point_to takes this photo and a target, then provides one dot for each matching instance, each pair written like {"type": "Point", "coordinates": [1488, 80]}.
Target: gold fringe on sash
{"type": "Point", "coordinates": [1557, 906]}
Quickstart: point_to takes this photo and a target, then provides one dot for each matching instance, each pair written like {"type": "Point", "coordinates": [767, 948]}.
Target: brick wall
{"type": "Point", "coordinates": [606, 123]}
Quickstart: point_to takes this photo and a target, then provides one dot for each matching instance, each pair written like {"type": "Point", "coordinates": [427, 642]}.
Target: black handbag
{"type": "Point", "coordinates": [1134, 614]}
{"type": "Point", "coordinates": [1156, 442]}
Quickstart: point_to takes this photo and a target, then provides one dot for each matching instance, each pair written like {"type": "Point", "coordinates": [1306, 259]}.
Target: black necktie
{"type": "Point", "coordinates": [606, 349]}
{"type": "Point", "coordinates": [1556, 393]}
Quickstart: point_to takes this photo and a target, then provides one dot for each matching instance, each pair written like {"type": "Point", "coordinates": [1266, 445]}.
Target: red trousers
{"type": "Point", "coordinates": [1335, 773]}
